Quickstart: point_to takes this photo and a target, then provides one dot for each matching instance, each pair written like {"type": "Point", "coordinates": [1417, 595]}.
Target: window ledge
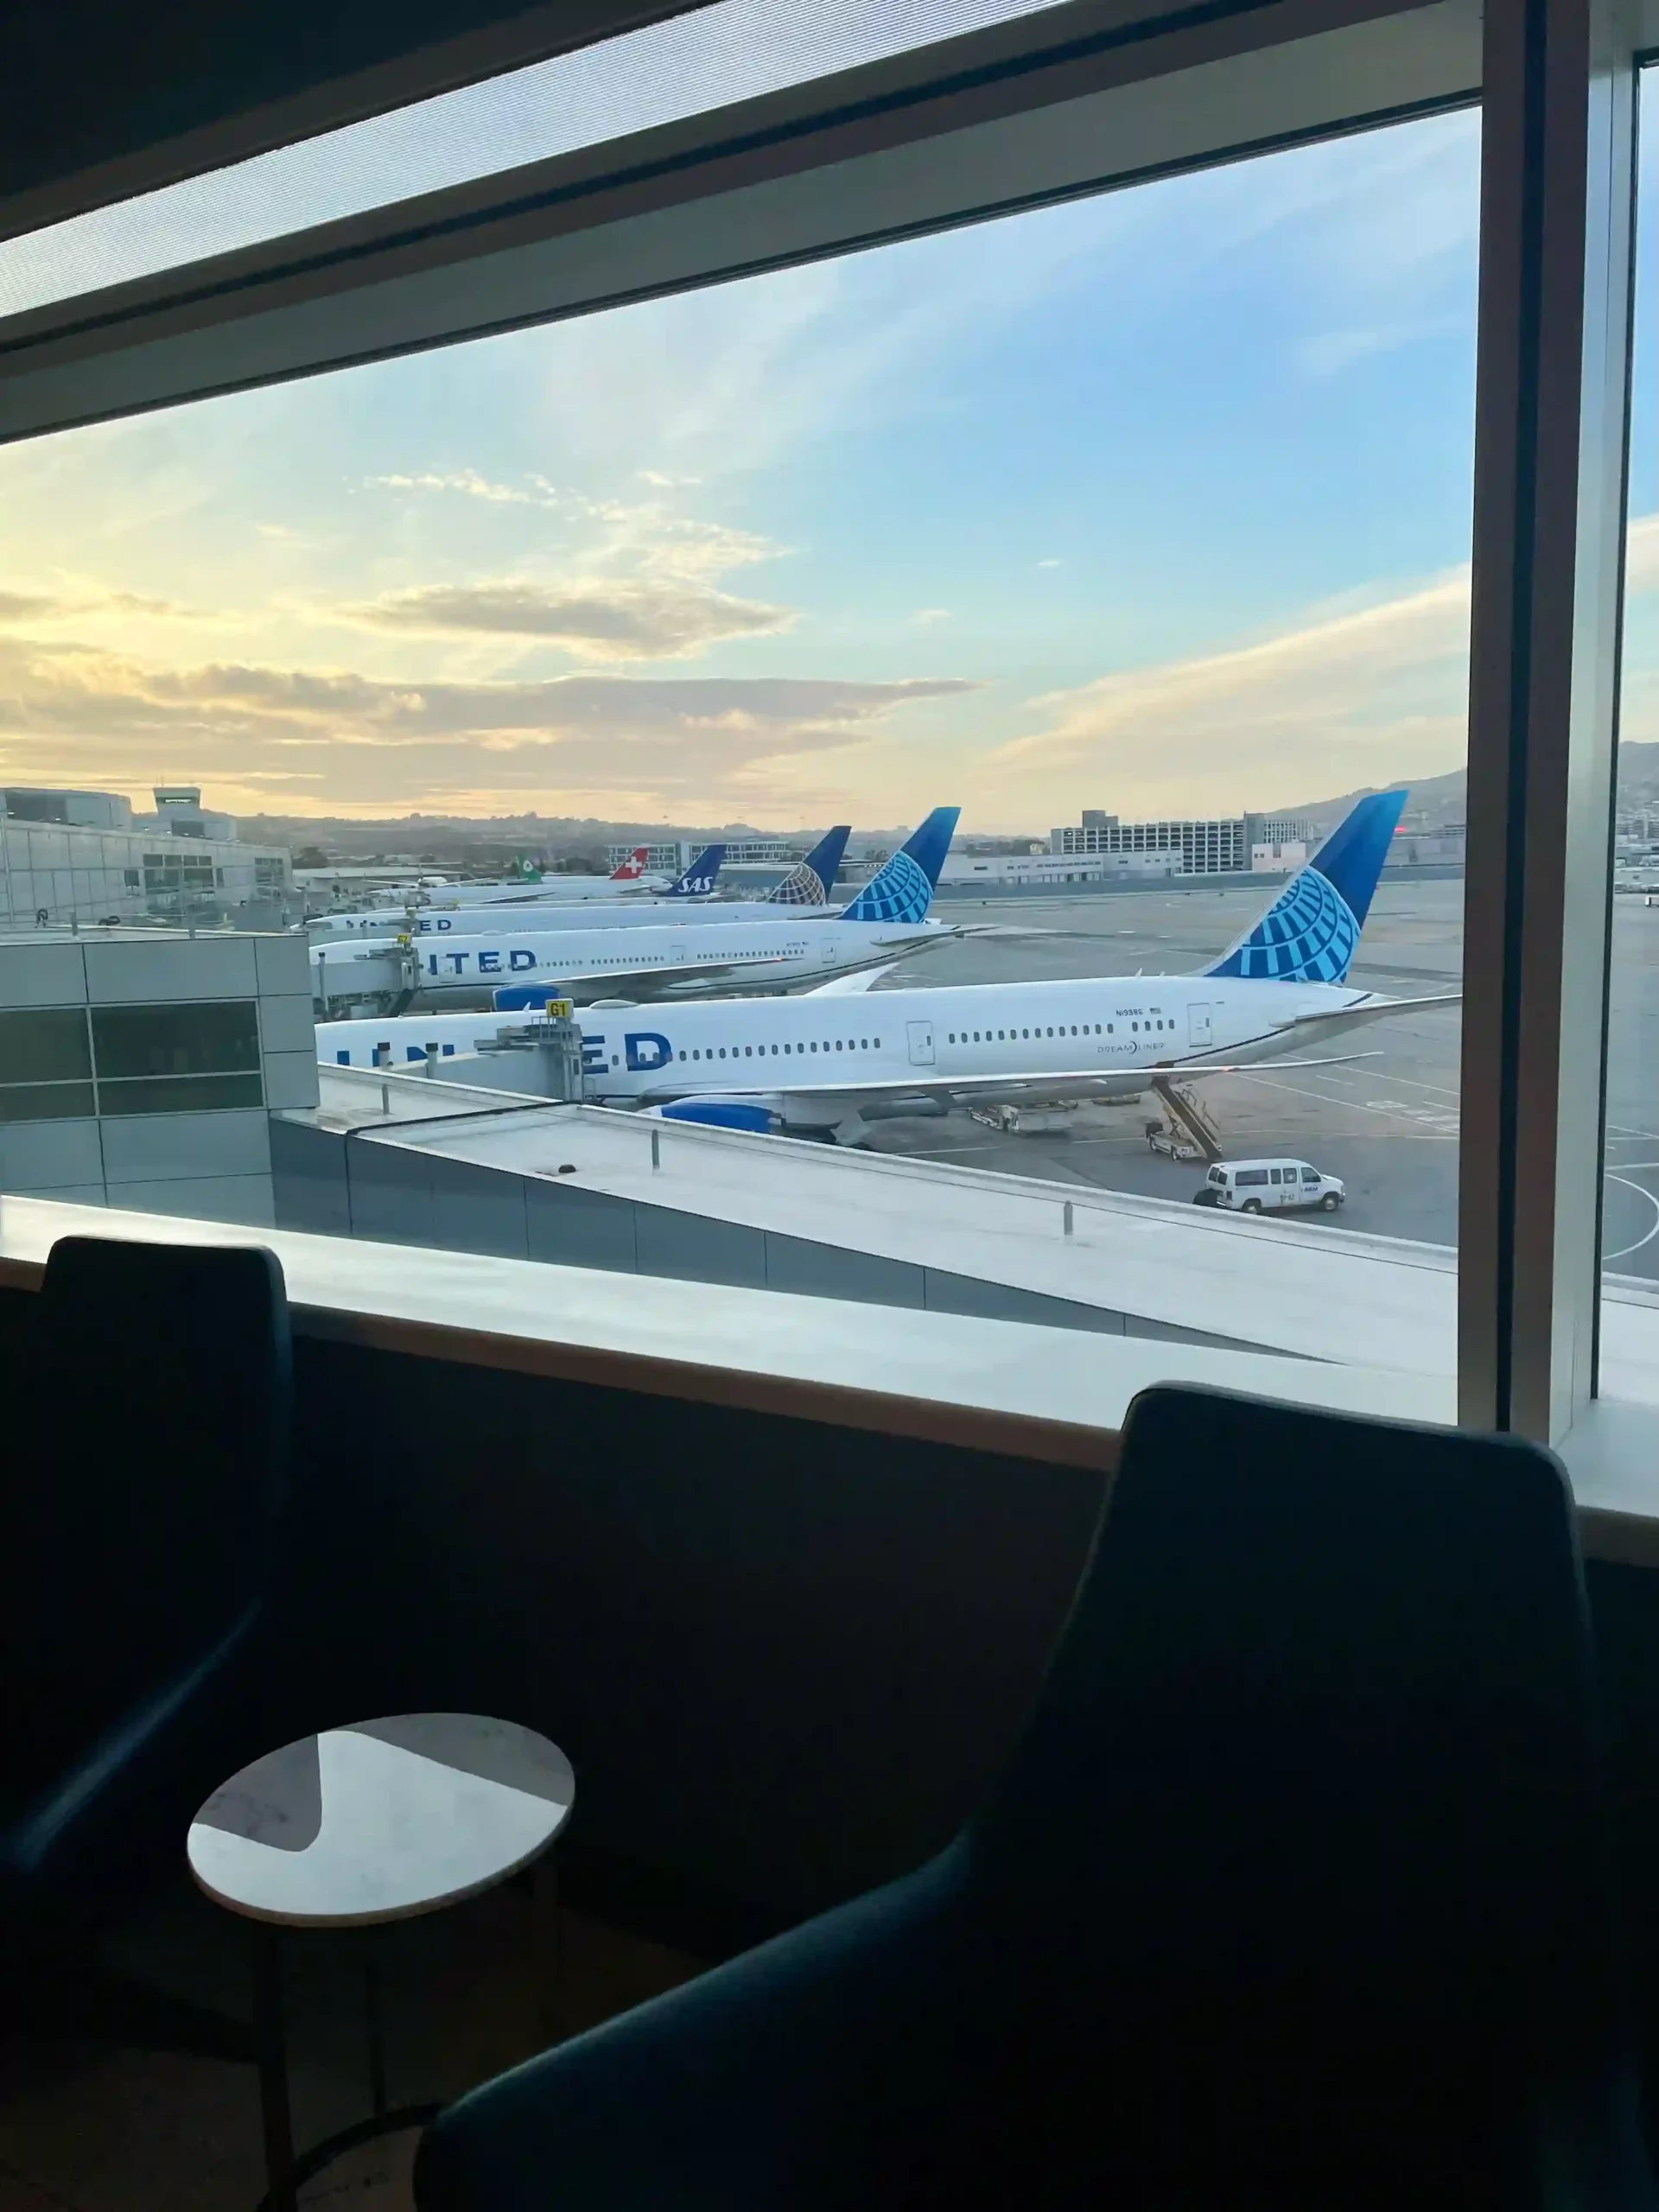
{"type": "Point", "coordinates": [1012, 1387]}
{"type": "Point", "coordinates": [1612, 1453]}
{"type": "Point", "coordinates": [998, 1386]}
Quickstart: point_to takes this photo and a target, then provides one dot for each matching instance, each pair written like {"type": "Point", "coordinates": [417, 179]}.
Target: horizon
{"type": "Point", "coordinates": [1151, 501]}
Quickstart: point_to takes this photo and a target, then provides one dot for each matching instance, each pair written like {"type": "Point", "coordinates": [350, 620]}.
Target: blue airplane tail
{"type": "Point", "coordinates": [902, 889]}
{"type": "Point", "coordinates": [701, 877]}
{"type": "Point", "coordinates": [1311, 932]}
{"type": "Point", "coordinates": [810, 882]}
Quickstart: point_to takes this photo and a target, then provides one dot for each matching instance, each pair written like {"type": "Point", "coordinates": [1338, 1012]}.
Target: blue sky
{"type": "Point", "coordinates": [1158, 502]}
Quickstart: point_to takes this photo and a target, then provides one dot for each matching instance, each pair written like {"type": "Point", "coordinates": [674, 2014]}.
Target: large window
{"type": "Point", "coordinates": [1132, 532]}
{"type": "Point", "coordinates": [1153, 626]}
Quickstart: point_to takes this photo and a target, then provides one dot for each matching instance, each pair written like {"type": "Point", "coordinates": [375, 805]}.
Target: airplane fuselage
{"type": "Point", "coordinates": [1093, 1037]}
{"type": "Point", "coordinates": [738, 956]}
{"type": "Point", "coordinates": [631, 914]}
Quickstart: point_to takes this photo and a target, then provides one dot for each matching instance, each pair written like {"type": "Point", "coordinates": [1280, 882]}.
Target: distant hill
{"type": "Point", "coordinates": [1437, 801]}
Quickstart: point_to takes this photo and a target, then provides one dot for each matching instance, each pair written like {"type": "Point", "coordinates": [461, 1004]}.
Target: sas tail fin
{"type": "Point", "coordinates": [902, 890]}
{"type": "Point", "coordinates": [1311, 932]}
{"type": "Point", "coordinates": [700, 877]}
{"type": "Point", "coordinates": [810, 882]}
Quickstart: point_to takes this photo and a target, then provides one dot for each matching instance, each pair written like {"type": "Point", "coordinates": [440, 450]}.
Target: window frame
{"type": "Point", "coordinates": [1089, 96]}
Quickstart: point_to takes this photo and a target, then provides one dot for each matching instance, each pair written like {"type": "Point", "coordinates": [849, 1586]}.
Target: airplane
{"type": "Point", "coordinates": [487, 904]}
{"type": "Point", "coordinates": [870, 1055]}
{"type": "Point", "coordinates": [804, 889]}
{"type": "Point", "coordinates": [524, 966]}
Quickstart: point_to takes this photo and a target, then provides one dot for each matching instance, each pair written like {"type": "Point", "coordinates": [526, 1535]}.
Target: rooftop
{"type": "Point", "coordinates": [1302, 1288]}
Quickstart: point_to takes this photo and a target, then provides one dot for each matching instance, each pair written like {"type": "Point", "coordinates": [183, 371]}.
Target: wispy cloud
{"type": "Point", "coordinates": [617, 621]}
{"type": "Point", "coordinates": [1326, 352]}
{"type": "Point", "coordinates": [1367, 693]}
{"type": "Point", "coordinates": [529, 492]}
{"type": "Point", "coordinates": [72, 713]}
{"type": "Point", "coordinates": [640, 582]}
{"type": "Point", "coordinates": [76, 603]}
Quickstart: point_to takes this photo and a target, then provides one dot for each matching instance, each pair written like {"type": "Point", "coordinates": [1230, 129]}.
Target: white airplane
{"type": "Point", "coordinates": [831, 1061]}
{"type": "Point", "coordinates": [583, 896]}
{"type": "Point", "coordinates": [524, 967]}
{"type": "Point", "coordinates": [805, 888]}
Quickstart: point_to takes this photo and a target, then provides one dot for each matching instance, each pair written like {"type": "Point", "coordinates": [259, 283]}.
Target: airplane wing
{"type": "Point", "coordinates": [1110, 1082]}
{"type": "Point", "coordinates": [853, 986]}
{"type": "Point", "coordinates": [1315, 1026]}
{"type": "Point", "coordinates": [732, 978]}
{"type": "Point", "coordinates": [647, 983]}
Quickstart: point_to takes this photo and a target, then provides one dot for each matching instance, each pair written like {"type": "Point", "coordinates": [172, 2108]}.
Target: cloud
{"type": "Point", "coordinates": [532, 492]}
{"type": "Point", "coordinates": [1367, 690]}
{"type": "Point", "coordinates": [665, 483]}
{"type": "Point", "coordinates": [925, 616]}
{"type": "Point", "coordinates": [1328, 352]}
{"type": "Point", "coordinates": [643, 586]}
{"type": "Point", "coordinates": [26, 607]}
{"type": "Point", "coordinates": [73, 712]}
{"type": "Point", "coordinates": [606, 623]}
{"type": "Point", "coordinates": [1356, 697]}
{"type": "Point", "coordinates": [68, 605]}
{"type": "Point", "coordinates": [1048, 564]}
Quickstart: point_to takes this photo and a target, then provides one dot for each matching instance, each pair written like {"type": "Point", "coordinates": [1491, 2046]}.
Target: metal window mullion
{"type": "Point", "coordinates": [1551, 414]}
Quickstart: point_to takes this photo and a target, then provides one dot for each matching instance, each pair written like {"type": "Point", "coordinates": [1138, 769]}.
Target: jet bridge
{"type": "Point", "coordinates": [346, 982]}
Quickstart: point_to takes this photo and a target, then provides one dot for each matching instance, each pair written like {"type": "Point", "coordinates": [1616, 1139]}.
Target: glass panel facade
{"type": "Point", "coordinates": [45, 1102]}
{"type": "Point", "coordinates": [195, 1093]}
{"type": "Point", "coordinates": [175, 1041]}
{"type": "Point", "coordinates": [44, 1045]}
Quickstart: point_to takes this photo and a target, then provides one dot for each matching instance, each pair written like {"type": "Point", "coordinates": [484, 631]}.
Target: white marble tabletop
{"type": "Point", "coordinates": [381, 1820]}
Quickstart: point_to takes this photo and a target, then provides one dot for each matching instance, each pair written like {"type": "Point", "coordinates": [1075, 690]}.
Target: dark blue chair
{"type": "Point", "coordinates": [1296, 1889]}
{"type": "Point", "coordinates": [139, 1502]}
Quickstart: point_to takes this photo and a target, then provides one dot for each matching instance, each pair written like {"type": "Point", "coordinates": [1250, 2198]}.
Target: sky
{"type": "Point", "coordinates": [1158, 502]}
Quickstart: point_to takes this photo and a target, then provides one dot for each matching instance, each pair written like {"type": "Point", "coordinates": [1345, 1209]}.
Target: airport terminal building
{"type": "Point", "coordinates": [1188, 847]}
{"type": "Point", "coordinates": [80, 857]}
{"type": "Point", "coordinates": [676, 854]}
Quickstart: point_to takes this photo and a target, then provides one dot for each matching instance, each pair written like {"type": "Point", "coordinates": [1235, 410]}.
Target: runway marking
{"type": "Point", "coordinates": [1392, 1110]}
{"type": "Point", "coordinates": [1416, 1082]}
{"type": "Point", "coordinates": [1624, 1252]}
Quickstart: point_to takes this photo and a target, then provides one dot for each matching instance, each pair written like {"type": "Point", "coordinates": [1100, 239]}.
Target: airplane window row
{"type": "Point", "coordinates": [1006, 1035]}
{"type": "Point", "coordinates": [747, 1051]}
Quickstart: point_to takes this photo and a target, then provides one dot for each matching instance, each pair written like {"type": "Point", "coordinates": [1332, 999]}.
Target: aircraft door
{"type": "Point", "coordinates": [1197, 1025]}
{"type": "Point", "coordinates": [826, 950]}
{"type": "Point", "coordinates": [921, 1043]}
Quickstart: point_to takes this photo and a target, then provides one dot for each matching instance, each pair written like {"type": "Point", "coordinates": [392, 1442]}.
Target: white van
{"type": "Point", "coordinates": [1269, 1186]}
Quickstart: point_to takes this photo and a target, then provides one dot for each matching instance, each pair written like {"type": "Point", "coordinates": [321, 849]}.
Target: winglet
{"type": "Point", "coordinates": [810, 882]}
{"type": "Point", "coordinates": [902, 889]}
{"type": "Point", "coordinates": [1310, 932]}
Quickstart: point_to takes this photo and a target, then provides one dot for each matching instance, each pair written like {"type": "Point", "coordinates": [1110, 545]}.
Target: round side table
{"type": "Point", "coordinates": [380, 1820]}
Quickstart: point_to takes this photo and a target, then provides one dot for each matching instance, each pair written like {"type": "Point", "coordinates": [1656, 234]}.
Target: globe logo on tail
{"type": "Point", "coordinates": [801, 887]}
{"type": "Point", "coordinates": [1309, 936]}
{"type": "Point", "coordinates": [900, 893]}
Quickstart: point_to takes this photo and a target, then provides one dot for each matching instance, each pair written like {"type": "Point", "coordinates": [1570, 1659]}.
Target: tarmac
{"type": "Point", "coordinates": [1387, 1124]}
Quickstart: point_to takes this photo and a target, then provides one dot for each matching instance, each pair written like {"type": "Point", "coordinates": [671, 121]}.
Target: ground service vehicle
{"type": "Point", "coordinates": [1269, 1186]}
